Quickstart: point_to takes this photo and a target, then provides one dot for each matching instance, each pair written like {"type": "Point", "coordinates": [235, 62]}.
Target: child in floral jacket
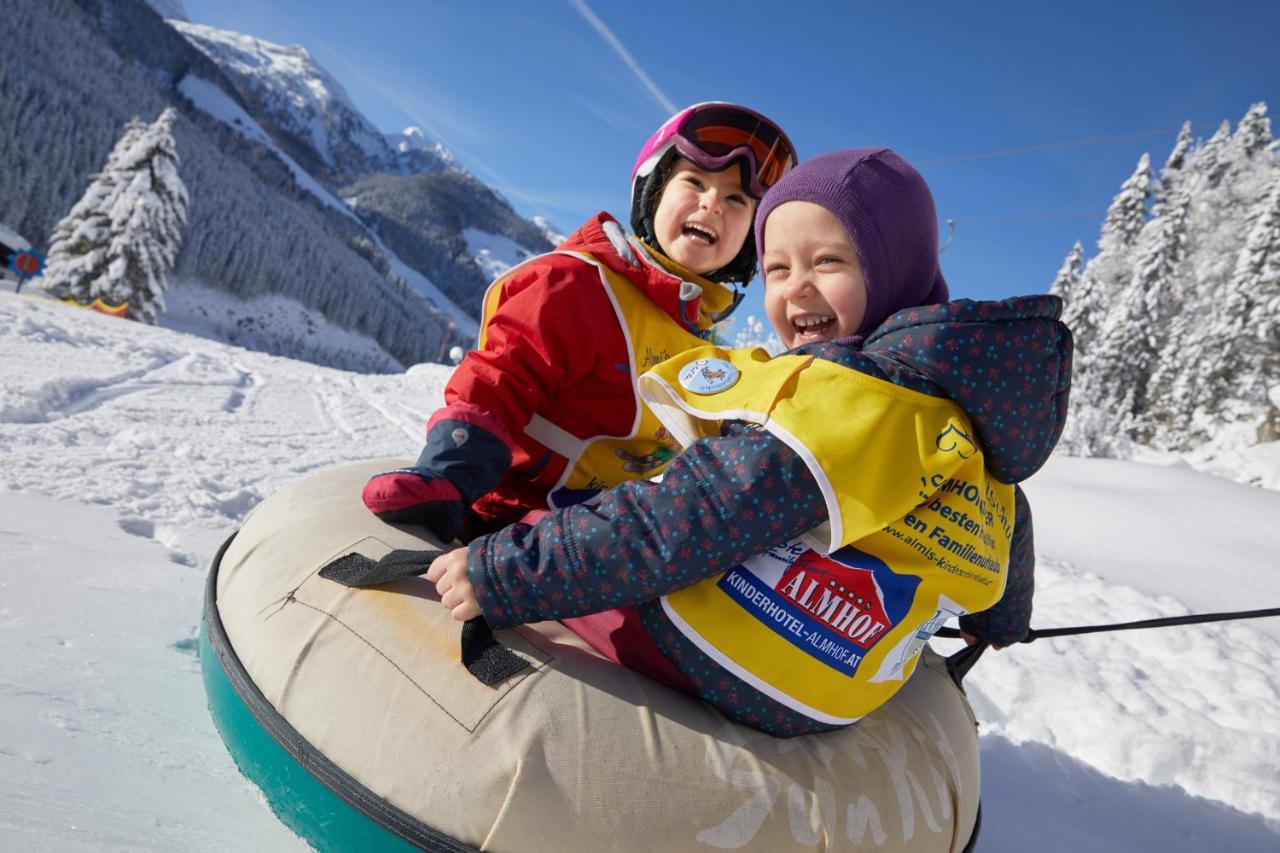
{"type": "Point", "coordinates": [833, 506]}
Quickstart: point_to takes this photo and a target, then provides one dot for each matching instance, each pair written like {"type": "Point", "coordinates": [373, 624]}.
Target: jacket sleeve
{"type": "Point", "coordinates": [545, 334]}
{"type": "Point", "coordinates": [1009, 619]}
{"type": "Point", "coordinates": [722, 501]}
{"type": "Point", "coordinates": [534, 344]}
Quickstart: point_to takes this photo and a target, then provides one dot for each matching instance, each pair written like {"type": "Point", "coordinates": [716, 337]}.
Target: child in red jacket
{"type": "Point", "coordinates": [545, 413]}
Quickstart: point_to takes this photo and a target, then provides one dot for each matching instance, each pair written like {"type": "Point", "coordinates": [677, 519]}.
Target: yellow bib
{"type": "Point", "coordinates": [831, 624]}
{"type": "Point", "coordinates": [652, 336]}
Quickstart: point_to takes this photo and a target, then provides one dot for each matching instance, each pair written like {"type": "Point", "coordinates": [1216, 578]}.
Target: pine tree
{"type": "Point", "coordinates": [78, 245]}
{"type": "Point", "coordinates": [123, 235]}
{"type": "Point", "coordinates": [1068, 278]}
{"type": "Point", "coordinates": [1253, 134]}
{"type": "Point", "coordinates": [1128, 211]}
{"type": "Point", "coordinates": [1080, 302]}
{"type": "Point", "coordinates": [147, 218]}
{"type": "Point", "coordinates": [1210, 164]}
{"type": "Point", "coordinates": [1103, 317]}
{"type": "Point", "coordinates": [1171, 174]}
{"type": "Point", "coordinates": [1249, 362]}
{"type": "Point", "coordinates": [1155, 298]}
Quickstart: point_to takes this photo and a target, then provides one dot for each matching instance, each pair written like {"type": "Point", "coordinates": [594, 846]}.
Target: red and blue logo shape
{"type": "Point", "coordinates": [835, 608]}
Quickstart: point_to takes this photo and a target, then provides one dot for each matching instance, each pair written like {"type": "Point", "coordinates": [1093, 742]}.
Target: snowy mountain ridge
{"type": "Point", "coordinates": [303, 100]}
{"type": "Point", "coordinates": [407, 188]}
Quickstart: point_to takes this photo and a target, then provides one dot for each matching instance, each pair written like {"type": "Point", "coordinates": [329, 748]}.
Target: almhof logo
{"type": "Point", "coordinates": [845, 599]}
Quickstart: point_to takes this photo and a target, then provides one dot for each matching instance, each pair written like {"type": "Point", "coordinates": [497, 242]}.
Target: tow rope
{"type": "Point", "coordinates": [962, 661]}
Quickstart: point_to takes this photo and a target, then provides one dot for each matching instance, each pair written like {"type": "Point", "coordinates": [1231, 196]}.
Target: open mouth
{"type": "Point", "coordinates": [813, 326]}
{"type": "Point", "coordinates": [699, 233]}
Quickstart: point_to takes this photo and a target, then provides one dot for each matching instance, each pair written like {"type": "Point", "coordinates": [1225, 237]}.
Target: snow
{"type": "Point", "coordinates": [12, 239]}
{"type": "Point", "coordinates": [210, 99]}
{"type": "Point", "coordinates": [303, 95]}
{"type": "Point", "coordinates": [128, 452]}
{"type": "Point", "coordinates": [494, 254]}
{"type": "Point", "coordinates": [553, 234]}
{"type": "Point", "coordinates": [425, 286]}
{"type": "Point", "coordinates": [271, 323]}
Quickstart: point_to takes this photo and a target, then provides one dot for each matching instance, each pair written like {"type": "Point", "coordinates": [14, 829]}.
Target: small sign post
{"type": "Point", "coordinates": [27, 263]}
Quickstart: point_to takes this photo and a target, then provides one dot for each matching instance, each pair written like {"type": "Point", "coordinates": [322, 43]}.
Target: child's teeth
{"type": "Point", "coordinates": [698, 231]}
{"type": "Point", "coordinates": [806, 322]}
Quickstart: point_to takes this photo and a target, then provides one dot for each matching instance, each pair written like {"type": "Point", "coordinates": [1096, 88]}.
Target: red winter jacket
{"type": "Point", "coordinates": [552, 344]}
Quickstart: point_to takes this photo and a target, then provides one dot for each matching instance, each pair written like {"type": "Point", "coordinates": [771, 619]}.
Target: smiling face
{"type": "Point", "coordinates": [814, 288]}
{"type": "Point", "coordinates": [702, 218]}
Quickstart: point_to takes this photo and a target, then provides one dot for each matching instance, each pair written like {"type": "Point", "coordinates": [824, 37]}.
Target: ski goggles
{"type": "Point", "coordinates": [712, 135]}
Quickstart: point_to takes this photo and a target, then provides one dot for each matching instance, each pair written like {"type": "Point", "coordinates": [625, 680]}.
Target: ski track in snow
{"type": "Point", "coordinates": [179, 437]}
{"type": "Point", "coordinates": [174, 431]}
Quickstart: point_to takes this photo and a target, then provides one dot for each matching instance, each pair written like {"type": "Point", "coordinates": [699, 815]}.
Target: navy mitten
{"type": "Point", "coordinates": [461, 462]}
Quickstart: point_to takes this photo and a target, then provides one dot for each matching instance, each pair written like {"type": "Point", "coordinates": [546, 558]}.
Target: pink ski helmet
{"type": "Point", "coordinates": [713, 136]}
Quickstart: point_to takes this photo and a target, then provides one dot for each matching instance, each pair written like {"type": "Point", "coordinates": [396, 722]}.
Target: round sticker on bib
{"type": "Point", "coordinates": [708, 375]}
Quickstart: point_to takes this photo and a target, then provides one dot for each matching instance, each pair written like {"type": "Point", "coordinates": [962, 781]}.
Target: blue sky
{"type": "Point", "coordinates": [1024, 117]}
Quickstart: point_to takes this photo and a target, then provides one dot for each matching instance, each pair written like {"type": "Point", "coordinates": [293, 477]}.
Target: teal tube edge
{"type": "Point", "coordinates": [317, 815]}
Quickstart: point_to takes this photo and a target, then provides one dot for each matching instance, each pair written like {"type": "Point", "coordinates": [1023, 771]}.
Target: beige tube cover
{"type": "Point", "coordinates": [574, 753]}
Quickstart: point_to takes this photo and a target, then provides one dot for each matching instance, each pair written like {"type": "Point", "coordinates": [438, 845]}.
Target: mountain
{"type": "Point", "coordinates": [408, 188]}
{"type": "Point", "coordinates": [444, 224]}
{"type": "Point", "coordinates": [306, 111]}
{"type": "Point", "coordinates": [258, 224]}
{"type": "Point", "coordinates": [1177, 315]}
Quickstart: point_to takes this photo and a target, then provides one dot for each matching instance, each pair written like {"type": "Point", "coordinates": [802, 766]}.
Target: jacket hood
{"type": "Point", "coordinates": [694, 301]}
{"type": "Point", "coordinates": [1006, 363]}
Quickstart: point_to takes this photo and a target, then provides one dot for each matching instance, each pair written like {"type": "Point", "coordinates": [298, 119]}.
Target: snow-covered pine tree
{"type": "Point", "coordinates": [1237, 381]}
{"type": "Point", "coordinates": [1158, 295]}
{"type": "Point", "coordinates": [78, 245]}
{"type": "Point", "coordinates": [1128, 211]}
{"type": "Point", "coordinates": [1067, 281]}
{"type": "Point", "coordinates": [1171, 174]}
{"type": "Point", "coordinates": [147, 218]}
{"type": "Point", "coordinates": [1081, 305]}
{"type": "Point", "coordinates": [119, 240]}
{"type": "Point", "coordinates": [1105, 322]}
{"type": "Point", "coordinates": [1210, 163]}
{"type": "Point", "coordinates": [1253, 134]}
{"type": "Point", "coordinates": [1177, 294]}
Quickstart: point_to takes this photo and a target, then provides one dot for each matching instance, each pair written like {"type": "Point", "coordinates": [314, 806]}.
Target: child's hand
{"type": "Point", "coordinates": [970, 640]}
{"type": "Point", "coordinates": [449, 573]}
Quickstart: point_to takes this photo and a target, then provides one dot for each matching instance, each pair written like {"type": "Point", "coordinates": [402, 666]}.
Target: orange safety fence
{"type": "Point", "coordinates": [101, 307]}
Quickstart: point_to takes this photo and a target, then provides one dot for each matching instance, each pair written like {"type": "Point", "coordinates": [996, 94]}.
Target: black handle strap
{"type": "Point", "coordinates": [358, 570]}
{"type": "Point", "coordinates": [483, 656]}
{"type": "Point", "coordinates": [959, 664]}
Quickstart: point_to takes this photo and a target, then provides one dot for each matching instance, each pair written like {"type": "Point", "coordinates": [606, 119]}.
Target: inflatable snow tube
{"type": "Point", "coordinates": [349, 708]}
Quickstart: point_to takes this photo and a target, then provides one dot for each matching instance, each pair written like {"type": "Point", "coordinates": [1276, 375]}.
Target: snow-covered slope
{"type": "Point", "coordinates": [407, 188]}
{"type": "Point", "coordinates": [300, 96]}
{"type": "Point", "coordinates": [128, 452]}
{"type": "Point", "coordinates": [306, 105]}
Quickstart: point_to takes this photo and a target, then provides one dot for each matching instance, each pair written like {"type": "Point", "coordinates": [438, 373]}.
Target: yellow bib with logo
{"type": "Point", "coordinates": [652, 336]}
{"type": "Point", "coordinates": [832, 623]}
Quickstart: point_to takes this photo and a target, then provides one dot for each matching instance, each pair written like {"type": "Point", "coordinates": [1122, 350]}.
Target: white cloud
{"type": "Point", "coordinates": [625, 55]}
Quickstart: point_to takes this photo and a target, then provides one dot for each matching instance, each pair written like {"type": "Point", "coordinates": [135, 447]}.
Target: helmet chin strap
{"type": "Point", "coordinates": [739, 292]}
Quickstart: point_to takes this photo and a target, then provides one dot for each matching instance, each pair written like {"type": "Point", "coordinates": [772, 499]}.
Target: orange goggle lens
{"type": "Point", "coordinates": [773, 153]}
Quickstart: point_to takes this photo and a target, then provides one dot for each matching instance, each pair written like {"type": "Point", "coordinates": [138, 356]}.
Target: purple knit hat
{"type": "Point", "coordinates": [887, 210]}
